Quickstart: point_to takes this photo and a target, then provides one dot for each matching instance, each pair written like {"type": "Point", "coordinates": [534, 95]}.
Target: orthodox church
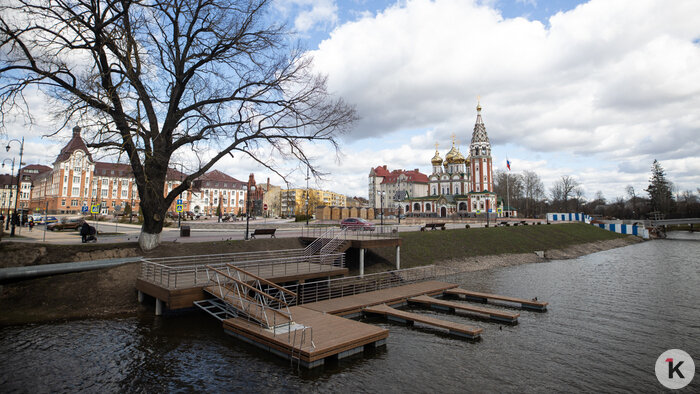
{"type": "Point", "coordinates": [458, 185]}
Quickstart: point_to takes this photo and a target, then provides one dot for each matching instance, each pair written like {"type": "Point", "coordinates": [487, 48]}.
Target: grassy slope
{"type": "Point", "coordinates": [422, 248]}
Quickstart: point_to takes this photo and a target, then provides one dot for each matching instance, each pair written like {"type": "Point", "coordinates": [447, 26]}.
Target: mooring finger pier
{"type": "Point", "coordinates": [300, 304]}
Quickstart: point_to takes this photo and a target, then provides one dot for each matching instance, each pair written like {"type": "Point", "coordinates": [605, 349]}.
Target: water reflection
{"type": "Point", "coordinates": [611, 314]}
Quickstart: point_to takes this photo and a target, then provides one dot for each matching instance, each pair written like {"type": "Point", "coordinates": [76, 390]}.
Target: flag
{"type": "Point", "coordinates": [508, 164]}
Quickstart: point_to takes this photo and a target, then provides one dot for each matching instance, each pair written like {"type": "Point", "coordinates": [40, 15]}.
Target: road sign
{"type": "Point", "coordinates": [95, 208]}
{"type": "Point", "coordinates": [178, 207]}
{"type": "Point", "coordinates": [478, 211]}
{"type": "Point", "coordinates": [500, 210]}
{"type": "Point", "coordinates": [179, 201]}
{"type": "Point", "coordinates": [265, 207]}
{"type": "Point", "coordinates": [490, 210]}
{"type": "Point", "coordinates": [85, 209]}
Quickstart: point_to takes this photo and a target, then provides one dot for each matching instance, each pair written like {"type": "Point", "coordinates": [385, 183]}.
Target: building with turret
{"type": "Point", "coordinates": [459, 185]}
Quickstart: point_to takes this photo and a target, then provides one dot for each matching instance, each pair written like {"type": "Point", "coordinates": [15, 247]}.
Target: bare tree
{"type": "Point", "coordinates": [563, 189]}
{"type": "Point", "coordinates": [533, 189]}
{"type": "Point", "coordinates": [154, 79]}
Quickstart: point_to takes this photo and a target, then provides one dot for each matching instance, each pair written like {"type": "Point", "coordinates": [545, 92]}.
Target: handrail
{"type": "Point", "coordinates": [240, 282]}
{"type": "Point", "coordinates": [267, 282]}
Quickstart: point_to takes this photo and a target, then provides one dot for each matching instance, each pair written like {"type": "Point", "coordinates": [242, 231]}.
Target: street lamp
{"type": "Point", "coordinates": [381, 206]}
{"type": "Point", "coordinates": [19, 167]}
{"type": "Point", "coordinates": [247, 208]}
{"type": "Point", "coordinates": [12, 174]}
{"type": "Point", "coordinates": [307, 196]}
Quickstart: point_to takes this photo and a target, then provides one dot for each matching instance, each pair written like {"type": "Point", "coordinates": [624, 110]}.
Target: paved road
{"type": "Point", "coordinates": [119, 232]}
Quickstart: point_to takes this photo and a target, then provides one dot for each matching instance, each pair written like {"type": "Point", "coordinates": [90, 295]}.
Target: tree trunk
{"type": "Point", "coordinates": [153, 207]}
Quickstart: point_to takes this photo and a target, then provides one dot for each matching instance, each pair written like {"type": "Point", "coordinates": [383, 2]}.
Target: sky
{"type": "Point", "coordinates": [596, 90]}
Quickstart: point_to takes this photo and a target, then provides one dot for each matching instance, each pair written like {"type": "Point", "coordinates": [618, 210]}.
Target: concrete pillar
{"type": "Point", "coordinates": [398, 257]}
{"type": "Point", "coordinates": [362, 262]}
{"type": "Point", "coordinates": [159, 307]}
{"type": "Point", "coordinates": [140, 297]}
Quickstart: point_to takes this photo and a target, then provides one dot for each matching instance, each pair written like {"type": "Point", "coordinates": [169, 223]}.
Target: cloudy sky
{"type": "Point", "coordinates": [596, 90]}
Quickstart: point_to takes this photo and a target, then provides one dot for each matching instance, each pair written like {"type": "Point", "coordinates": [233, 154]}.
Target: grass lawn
{"type": "Point", "coordinates": [423, 248]}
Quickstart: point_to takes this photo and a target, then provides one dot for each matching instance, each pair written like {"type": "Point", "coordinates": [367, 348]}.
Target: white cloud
{"type": "Point", "coordinates": [310, 13]}
{"type": "Point", "coordinates": [607, 82]}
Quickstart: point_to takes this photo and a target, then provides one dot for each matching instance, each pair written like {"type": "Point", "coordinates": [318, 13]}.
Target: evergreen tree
{"type": "Point", "coordinates": [659, 190]}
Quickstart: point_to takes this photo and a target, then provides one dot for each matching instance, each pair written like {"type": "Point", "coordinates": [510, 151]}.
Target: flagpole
{"type": "Point", "coordinates": [507, 188]}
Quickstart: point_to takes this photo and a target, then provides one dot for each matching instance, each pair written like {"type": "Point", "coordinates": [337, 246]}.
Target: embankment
{"type": "Point", "coordinates": [483, 248]}
{"type": "Point", "coordinates": [111, 291]}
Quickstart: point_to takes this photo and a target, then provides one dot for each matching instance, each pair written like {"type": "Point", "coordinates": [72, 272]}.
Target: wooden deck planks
{"type": "Point", "coordinates": [492, 313]}
{"type": "Point", "coordinates": [331, 334]}
{"type": "Point", "coordinates": [531, 304]}
{"type": "Point", "coordinates": [383, 309]}
{"type": "Point", "coordinates": [354, 303]}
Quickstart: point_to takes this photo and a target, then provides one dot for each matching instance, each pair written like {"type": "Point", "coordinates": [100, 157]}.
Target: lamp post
{"type": "Point", "coordinates": [247, 209]}
{"type": "Point", "coordinates": [12, 175]}
{"type": "Point", "coordinates": [381, 206]}
{"type": "Point", "coordinates": [19, 170]}
{"type": "Point", "coordinates": [307, 196]}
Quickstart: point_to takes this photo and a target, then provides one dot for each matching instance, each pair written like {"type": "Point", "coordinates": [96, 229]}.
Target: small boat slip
{"type": "Point", "coordinates": [409, 318]}
{"type": "Point", "coordinates": [493, 314]}
{"type": "Point", "coordinates": [352, 305]}
{"type": "Point", "coordinates": [484, 297]}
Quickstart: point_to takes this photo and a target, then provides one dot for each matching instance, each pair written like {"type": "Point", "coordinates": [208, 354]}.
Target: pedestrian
{"type": "Point", "coordinates": [85, 231]}
{"type": "Point", "coordinates": [30, 223]}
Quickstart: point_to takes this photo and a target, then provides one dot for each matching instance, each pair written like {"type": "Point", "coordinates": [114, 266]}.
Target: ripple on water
{"type": "Point", "coordinates": [610, 315]}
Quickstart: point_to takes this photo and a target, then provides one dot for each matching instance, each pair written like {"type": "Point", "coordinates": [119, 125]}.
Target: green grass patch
{"type": "Point", "coordinates": [429, 247]}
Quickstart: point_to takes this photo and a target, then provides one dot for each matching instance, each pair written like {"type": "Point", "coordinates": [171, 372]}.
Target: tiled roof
{"type": "Point", "coordinates": [381, 171]}
{"type": "Point", "coordinates": [412, 176]}
{"type": "Point", "coordinates": [75, 143]}
{"type": "Point", "coordinates": [220, 180]}
{"type": "Point", "coordinates": [7, 179]}
{"type": "Point", "coordinates": [32, 171]}
{"type": "Point", "coordinates": [113, 169]}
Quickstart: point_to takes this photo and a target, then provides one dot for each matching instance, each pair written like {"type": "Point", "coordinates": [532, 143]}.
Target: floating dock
{"type": "Point", "coordinates": [458, 329]}
{"type": "Point", "coordinates": [352, 306]}
{"type": "Point", "coordinates": [493, 314]}
{"type": "Point", "coordinates": [317, 338]}
{"type": "Point", "coordinates": [484, 297]}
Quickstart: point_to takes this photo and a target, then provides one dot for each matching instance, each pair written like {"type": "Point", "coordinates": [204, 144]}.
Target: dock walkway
{"type": "Point", "coordinates": [409, 318]}
{"type": "Point", "coordinates": [492, 314]}
{"type": "Point", "coordinates": [484, 297]}
{"type": "Point", "coordinates": [352, 305]}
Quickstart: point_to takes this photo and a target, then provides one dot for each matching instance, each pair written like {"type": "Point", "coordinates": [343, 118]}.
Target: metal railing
{"type": "Point", "coordinates": [192, 273]}
{"type": "Point", "coordinates": [378, 232]}
{"type": "Point", "coordinates": [342, 287]}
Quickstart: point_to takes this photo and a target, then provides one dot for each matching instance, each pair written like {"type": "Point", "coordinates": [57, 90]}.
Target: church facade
{"type": "Point", "coordinates": [459, 185]}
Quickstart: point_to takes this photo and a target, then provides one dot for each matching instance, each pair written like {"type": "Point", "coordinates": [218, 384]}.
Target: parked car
{"type": "Point", "coordinates": [46, 220]}
{"type": "Point", "coordinates": [356, 224]}
{"type": "Point", "coordinates": [66, 224]}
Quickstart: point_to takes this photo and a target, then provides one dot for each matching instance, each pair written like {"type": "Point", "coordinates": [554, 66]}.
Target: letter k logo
{"type": "Point", "coordinates": [672, 369]}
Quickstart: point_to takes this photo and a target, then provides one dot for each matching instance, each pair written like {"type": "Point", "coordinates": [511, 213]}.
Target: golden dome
{"type": "Point", "coordinates": [458, 158]}
{"type": "Point", "coordinates": [436, 160]}
{"type": "Point", "coordinates": [450, 157]}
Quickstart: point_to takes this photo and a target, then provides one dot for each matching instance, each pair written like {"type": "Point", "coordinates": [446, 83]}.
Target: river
{"type": "Point", "coordinates": [611, 314]}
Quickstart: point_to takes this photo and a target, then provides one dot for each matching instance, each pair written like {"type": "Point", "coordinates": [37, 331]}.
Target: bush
{"type": "Point", "coordinates": [302, 218]}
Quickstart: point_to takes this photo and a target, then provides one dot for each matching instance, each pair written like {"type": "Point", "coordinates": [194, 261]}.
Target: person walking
{"type": "Point", "coordinates": [30, 223]}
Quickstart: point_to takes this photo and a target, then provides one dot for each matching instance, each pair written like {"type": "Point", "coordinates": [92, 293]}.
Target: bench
{"type": "Point", "coordinates": [264, 231]}
{"type": "Point", "coordinates": [433, 226]}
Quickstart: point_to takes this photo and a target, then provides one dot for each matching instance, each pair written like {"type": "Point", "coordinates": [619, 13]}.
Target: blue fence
{"type": "Point", "coordinates": [620, 228]}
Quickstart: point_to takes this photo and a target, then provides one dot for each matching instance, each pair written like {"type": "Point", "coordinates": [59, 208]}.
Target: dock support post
{"type": "Point", "coordinates": [398, 257]}
{"type": "Point", "coordinates": [362, 262]}
{"type": "Point", "coordinates": [159, 307]}
{"type": "Point", "coordinates": [140, 297]}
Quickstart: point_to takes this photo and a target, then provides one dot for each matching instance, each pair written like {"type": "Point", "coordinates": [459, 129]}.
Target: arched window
{"type": "Point", "coordinates": [457, 189]}
{"type": "Point", "coordinates": [416, 207]}
{"type": "Point", "coordinates": [434, 190]}
{"type": "Point", "coordinates": [462, 206]}
{"type": "Point", "coordinates": [427, 207]}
